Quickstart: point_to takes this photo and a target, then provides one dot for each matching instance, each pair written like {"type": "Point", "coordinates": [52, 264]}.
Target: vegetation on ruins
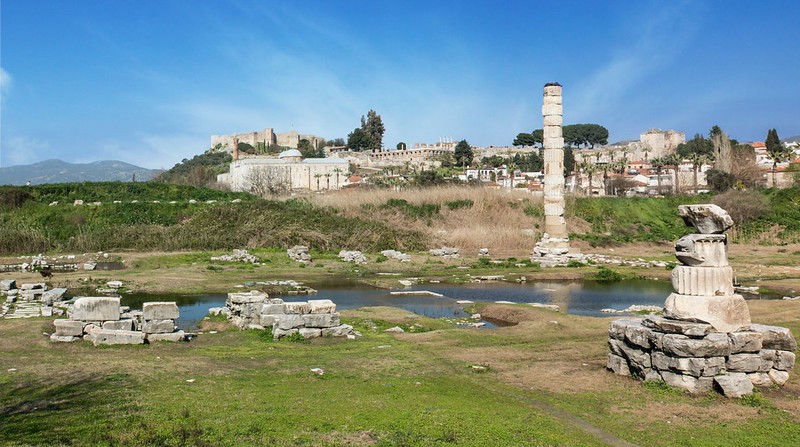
{"type": "Point", "coordinates": [575, 135]}
{"type": "Point", "coordinates": [777, 151]}
{"type": "Point", "coordinates": [463, 153]}
{"type": "Point", "coordinates": [370, 135]}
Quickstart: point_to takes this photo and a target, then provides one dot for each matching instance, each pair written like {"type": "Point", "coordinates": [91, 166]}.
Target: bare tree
{"type": "Point", "coordinates": [265, 182]}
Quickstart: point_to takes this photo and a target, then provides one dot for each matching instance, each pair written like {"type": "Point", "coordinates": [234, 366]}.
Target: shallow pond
{"type": "Point", "coordinates": [579, 298]}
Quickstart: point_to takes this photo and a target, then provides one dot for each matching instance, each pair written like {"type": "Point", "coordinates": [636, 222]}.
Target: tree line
{"type": "Point", "coordinates": [575, 135]}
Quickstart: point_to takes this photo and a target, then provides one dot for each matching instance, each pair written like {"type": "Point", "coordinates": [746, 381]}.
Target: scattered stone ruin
{"type": "Point", "coordinates": [445, 252]}
{"type": "Point", "coordinates": [103, 321]}
{"type": "Point", "coordinates": [311, 319]}
{"type": "Point", "coordinates": [352, 256]}
{"type": "Point", "coordinates": [299, 253]}
{"type": "Point", "coordinates": [29, 300]}
{"type": "Point", "coordinates": [238, 256]}
{"type": "Point", "coordinates": [705, 340]}
{"type": "Point", "coordinates": [394, 254]}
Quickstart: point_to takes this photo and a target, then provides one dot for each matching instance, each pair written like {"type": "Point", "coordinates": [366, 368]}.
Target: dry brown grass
{"type": "Point", "coordinates": [495, 220]}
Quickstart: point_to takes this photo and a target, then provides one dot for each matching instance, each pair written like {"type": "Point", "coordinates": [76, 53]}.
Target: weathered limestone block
{"type": "Point", "coordinates": [160, 311]}
{"type": "Point", "coordinates": [33, 286]}
{"type": "Point", "coordinates": [553, 120]}
{"type": "Point", "coordinates": [694, 366]}
{"type": "Point", "coordinates": [268, 320]}
{"type": "Point", "coordinates": [781, 360]}
{"type": "Point", "coordinates": [748, 363]}
{"type": "Point", "coordinates": [702, 250]}
{"type": "Point", "coordinates": [280, 333]}
{"type": "Point", "coordinates": [320, 320]}
{"type": "Point", "coordinates": [289, 321]}
{"type": "Point", "coordinates": [552, 109]}
{"type": "Point", "coordinates": [759, 379]}
{"type": "Point", "coordinates": [775, 337]}
{"type": "Point", "coordinates": [274, 301]}
{"type": "Point", "coordinates": [321, 306]}
{"type": "Point", "coordinates": [337, 331]}
{"type": "Point", "coordinates": [728, 313]}
{"type": "Point", "coordinates": [618, 327]}
{"type": "Point", "coordinates": [64, 338]}
{"type": "Point", "coordinates": [158, 326]}
{"type": "Point", "coordinates": [638, 335]}
{"type": "Point", "coordinates": [172, 336]}
{"type": "Point", "coordinates": [53, 295]}
{"type": "Point", "coordinates": [251, 310]}
{"type": "Point", "coordinates": [618, 365]}
{"type": "Point", "coordinates": [96, 308]}
{"type": "Point", "coordinates": [638, 359]}
{"type": "Point", "coordinates": [297, 307]}
{"type": "Point", "coordinates": [126, 324]}
{"type": "Point", "coordinates": [109, 337]}
{"type": "Point", "coordinates": [273, 308]}
{"type": "Point", "coordinates": [7, 284]}
{"type": "Point", "coordinates": [254, 296]}
{"type": "Point", "coordinates": [70, 328]}
{"type": "Point", "coordinates": [745, 342]}
{"type": "Point", "coordinates": [715, 344]}
{"type": "Point", "coordinates": [694, 385]}
{"type": "Point", "coordinates": [669, 326]}
{"type": "Point", "coordinates": [708, 281]}
{"type": "Point", "coordinates": [307, 332]}
{"type": "Point", "coordinates": [734, 384]}
{"type": "Point", "coordinates": [707, 218]}
{"type": "Point", "coordinates": [779, 377]}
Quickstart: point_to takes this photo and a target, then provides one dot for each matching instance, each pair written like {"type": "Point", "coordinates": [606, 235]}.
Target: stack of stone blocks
{"type": "Point", "coordinates": [705, 339]}
{"type": "Point", "coordinates": [311, 319]}
{"type": "Point", "coordinates": [30, 294]}
{"type": "Point", "coordinates": [103, 321]}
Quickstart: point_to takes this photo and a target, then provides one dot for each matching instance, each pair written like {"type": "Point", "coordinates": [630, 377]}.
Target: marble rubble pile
{"type": "Point", "coordinates": [394, 254]}
{"type": "Point", "coordinates": [299, 253]}
{"type": "Point", "coordinates": [103, 321]}
{"type": "Point", "coordinates": [352, 256]}
{"type": "Point", "coordinates": [705, 339]}
{"type": "Point", "coordinates": [311, 319]}
{"type": "Point", "coordinates": [238, 256]}
{"type": "Point", "coordinates": [445, 252]}
{"type": "Point", "coordinates": [29, 300]}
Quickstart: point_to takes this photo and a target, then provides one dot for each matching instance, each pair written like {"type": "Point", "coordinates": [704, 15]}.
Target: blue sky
{"type": "Point", "coordinates": [149, 81]}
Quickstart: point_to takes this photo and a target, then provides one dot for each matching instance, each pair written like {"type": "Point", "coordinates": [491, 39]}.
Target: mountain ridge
{"type": "Point", "coordinates": [59, 171]}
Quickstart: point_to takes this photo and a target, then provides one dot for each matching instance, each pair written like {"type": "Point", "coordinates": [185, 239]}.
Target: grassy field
{"type": "Point", "coordinates": [537, 383]}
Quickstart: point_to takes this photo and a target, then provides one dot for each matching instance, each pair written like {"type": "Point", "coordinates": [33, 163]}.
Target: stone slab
{"type": "Point", "coordinates": [337, 331]}
{"type": "Point", "coordinates": [289, 321]}
{"type": "Point", "coordinates": [158, 326]}
{"type": "Point", "coordinates": [297, 307]}
{"type": "Point", "coordinates": [727, 313]}
{"type": "Point", "coordinates": [125, 324]}
{"type": "Point", "coordinates": [707, 218]}
{"type": "Point", "coordinates": [320, 320]}
{"type": "Point", "coordinates": [618, 365]}
{"type": "Point", "coordinates": [96, 308]}
{"type": "Point", "coordinates": [618, 327]}
{"type": "Point", "coordinates": [670, 326]}
{"type": "Point", "coordinates": [71, 328]}
{"type": "Point", "coordinates": [694, 385]}
{"type": "Point", "coordinates": [53, 295]}
{"type": "Point", "coordinates": [745, 342]}
{"type": "Point", "coordinates": [164, 310]}
{"type": "Point", "coordinates": [735, 385]}
{"type": "Point", "coordinates": [172, 336]}
{"type": "Point", "coordinates": [8, 284]}
{"type": "Point", "coordinates": [321, 306]}
{"type": "Point", "coordinates": [64, 338]}
{"type": "Point", "coordinates": [748, 363]}
{"type": "Point", "coordinates": [253, 296]}
{"type": "Point", "coordinates": [108, 337]}
{"type": "Point", "coordinates": [775, 337]}
{"type": "Point", "coordinates": [715, 344]}
{"type": "Point", "coordinates": [307, 332]}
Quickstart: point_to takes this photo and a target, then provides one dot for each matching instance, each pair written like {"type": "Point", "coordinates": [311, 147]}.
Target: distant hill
{"type": "Point", "coordinates": [792, 139]}
{"type": "Point", "coordinates": [57, 171]}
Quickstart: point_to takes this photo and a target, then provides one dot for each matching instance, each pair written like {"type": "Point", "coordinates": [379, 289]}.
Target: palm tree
{"type": "Point", "coordinates": [590, 169]}
{"type": "Point", "coordinates": [658, 163]}
{"type": "Point", "coordinates": [317, 176]}
{"type": "Point", "coordinates": [674, 159]}
{"type": "Point", "coordinates": [328, 180]}
{"type": "Point", "coordinates": [337, 171]}
{"type": "Point", "coordinates": [511, 167]}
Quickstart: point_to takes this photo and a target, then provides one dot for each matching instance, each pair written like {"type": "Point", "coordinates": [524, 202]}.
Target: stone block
{"type": "Point", "coordinates": [688, 328]}
{"type": "Point", "coordinates": [71, 328]}
{"type": "Point", "coordinates": [708, 281]}
{"type": "Point", "coordinates": [53, 295]}
{"type": "Point", "coordinates": [64, 338]}
{"type": "Point", "coordinates": [268, 320]}
{"type": "Point", "coordinates": [735, 384]}
{"type": "Point", "coordinates": [638, 335]}
{"type": "Point", "coordinates": [289, 321]}
{"type": "Point", "coordinates": [272, 308]}
{"type": "Point", "coordinates": [280, 333]}
{"type": "Point", "coordinates": [694, 385]}
{"type": "Point", "coordinates": [251, 310]}
{"type": "Point", "coordinates": [693, 366]}
{"type": "Point", "coordinates": [778, 376]}
{"type": "Point", "coordinates": [254, 296]}
{"type": "Point", "coordinates": [745, 342]}
{"type": "Point", "coordinates": [160, 311]}
{"type": "Point", "coordinates": [638, 359]}
{"type": "Point", "coordinates": [34, 286]}
{"type": "Point", "coordinates": [126, 324]}
{"type": "Point", "coordinates": [707, 218]}
{"type": "Point", "coordinates": [47, 311]}
{"type": "Point", "coordinates": [96, 308]}
{"type": "Point", "coordinates": [172, 336]}
{"type": "Point", "coordinates": [158, 326]}
{"type": "Point", "coordinates": [321, 306]}
{"type": "Point", "coordinates": [748, 363]}
{"type": "Point", "coordinates": [727, 313]}
{"type": "Point", "coordinates": [337, 331]}
{"type": "Point", "coordinates": [320, 320]}
{"type": "Point", "coordinates": [775, 337]}
{"type": "Point", "coordinates": [274, 301]}
{"type": "Point", "coordinates": [781, 360]}
{"type": "Point", "coordinates": [108, 337]}
{"type": "Point", "coordinates": [715, 344]}
{"type": "Point", "coordinates": [618, 365]}
{"type": "Point", "coordinates": [297, 307]}
{"type": "Point", "coordinates": [7, 284]}
{"type": "Point", "coordinates": [310, 332]}
{"type": "Point", "coordinates": [618, 327]}
{"type": "Point", "coordinates": [760, 379]}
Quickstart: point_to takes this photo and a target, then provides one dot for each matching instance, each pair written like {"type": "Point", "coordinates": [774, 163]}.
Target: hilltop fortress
{"type": "Point", "coordinates": [267, 137]}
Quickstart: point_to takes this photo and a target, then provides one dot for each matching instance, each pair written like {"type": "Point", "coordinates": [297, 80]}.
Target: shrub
{"type": "Point", "coordinates": [742, 206]}
{"type": "Point", "coordinates": [605, 274]}
{"type": "Point", "coordinates": [456, 204]}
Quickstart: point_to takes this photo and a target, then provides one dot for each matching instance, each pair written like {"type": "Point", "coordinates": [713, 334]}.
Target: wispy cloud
{"type": "Point", "coordinates": [5, 83]}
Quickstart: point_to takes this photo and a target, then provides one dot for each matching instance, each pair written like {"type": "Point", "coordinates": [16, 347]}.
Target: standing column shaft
{"type": "Point", "coordinates": [554, 225]}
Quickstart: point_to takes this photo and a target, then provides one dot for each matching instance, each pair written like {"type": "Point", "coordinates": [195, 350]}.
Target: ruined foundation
{"type": "Point", "coordinates": [705, 340]}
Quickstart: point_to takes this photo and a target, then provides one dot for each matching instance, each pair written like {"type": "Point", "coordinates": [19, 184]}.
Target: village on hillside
{"type": "Point", "coordinates": [660, 162]}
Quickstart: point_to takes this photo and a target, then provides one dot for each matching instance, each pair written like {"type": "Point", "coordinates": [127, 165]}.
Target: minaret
{"type": "Point", "coordinates": [555, 240]}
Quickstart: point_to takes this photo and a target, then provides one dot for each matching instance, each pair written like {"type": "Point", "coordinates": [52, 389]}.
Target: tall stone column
{"type": "Point", "coordinates": [555, 240]}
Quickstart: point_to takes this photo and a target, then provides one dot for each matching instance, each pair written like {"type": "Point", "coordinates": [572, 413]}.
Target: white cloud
{"type": "Point", "coordinates": [22, 150]}
{"type": "Point", "coordinates": [5, 83]}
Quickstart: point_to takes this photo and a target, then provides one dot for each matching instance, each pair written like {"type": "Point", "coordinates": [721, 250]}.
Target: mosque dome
{"type": "Point", "coordinates": [291, 153]}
